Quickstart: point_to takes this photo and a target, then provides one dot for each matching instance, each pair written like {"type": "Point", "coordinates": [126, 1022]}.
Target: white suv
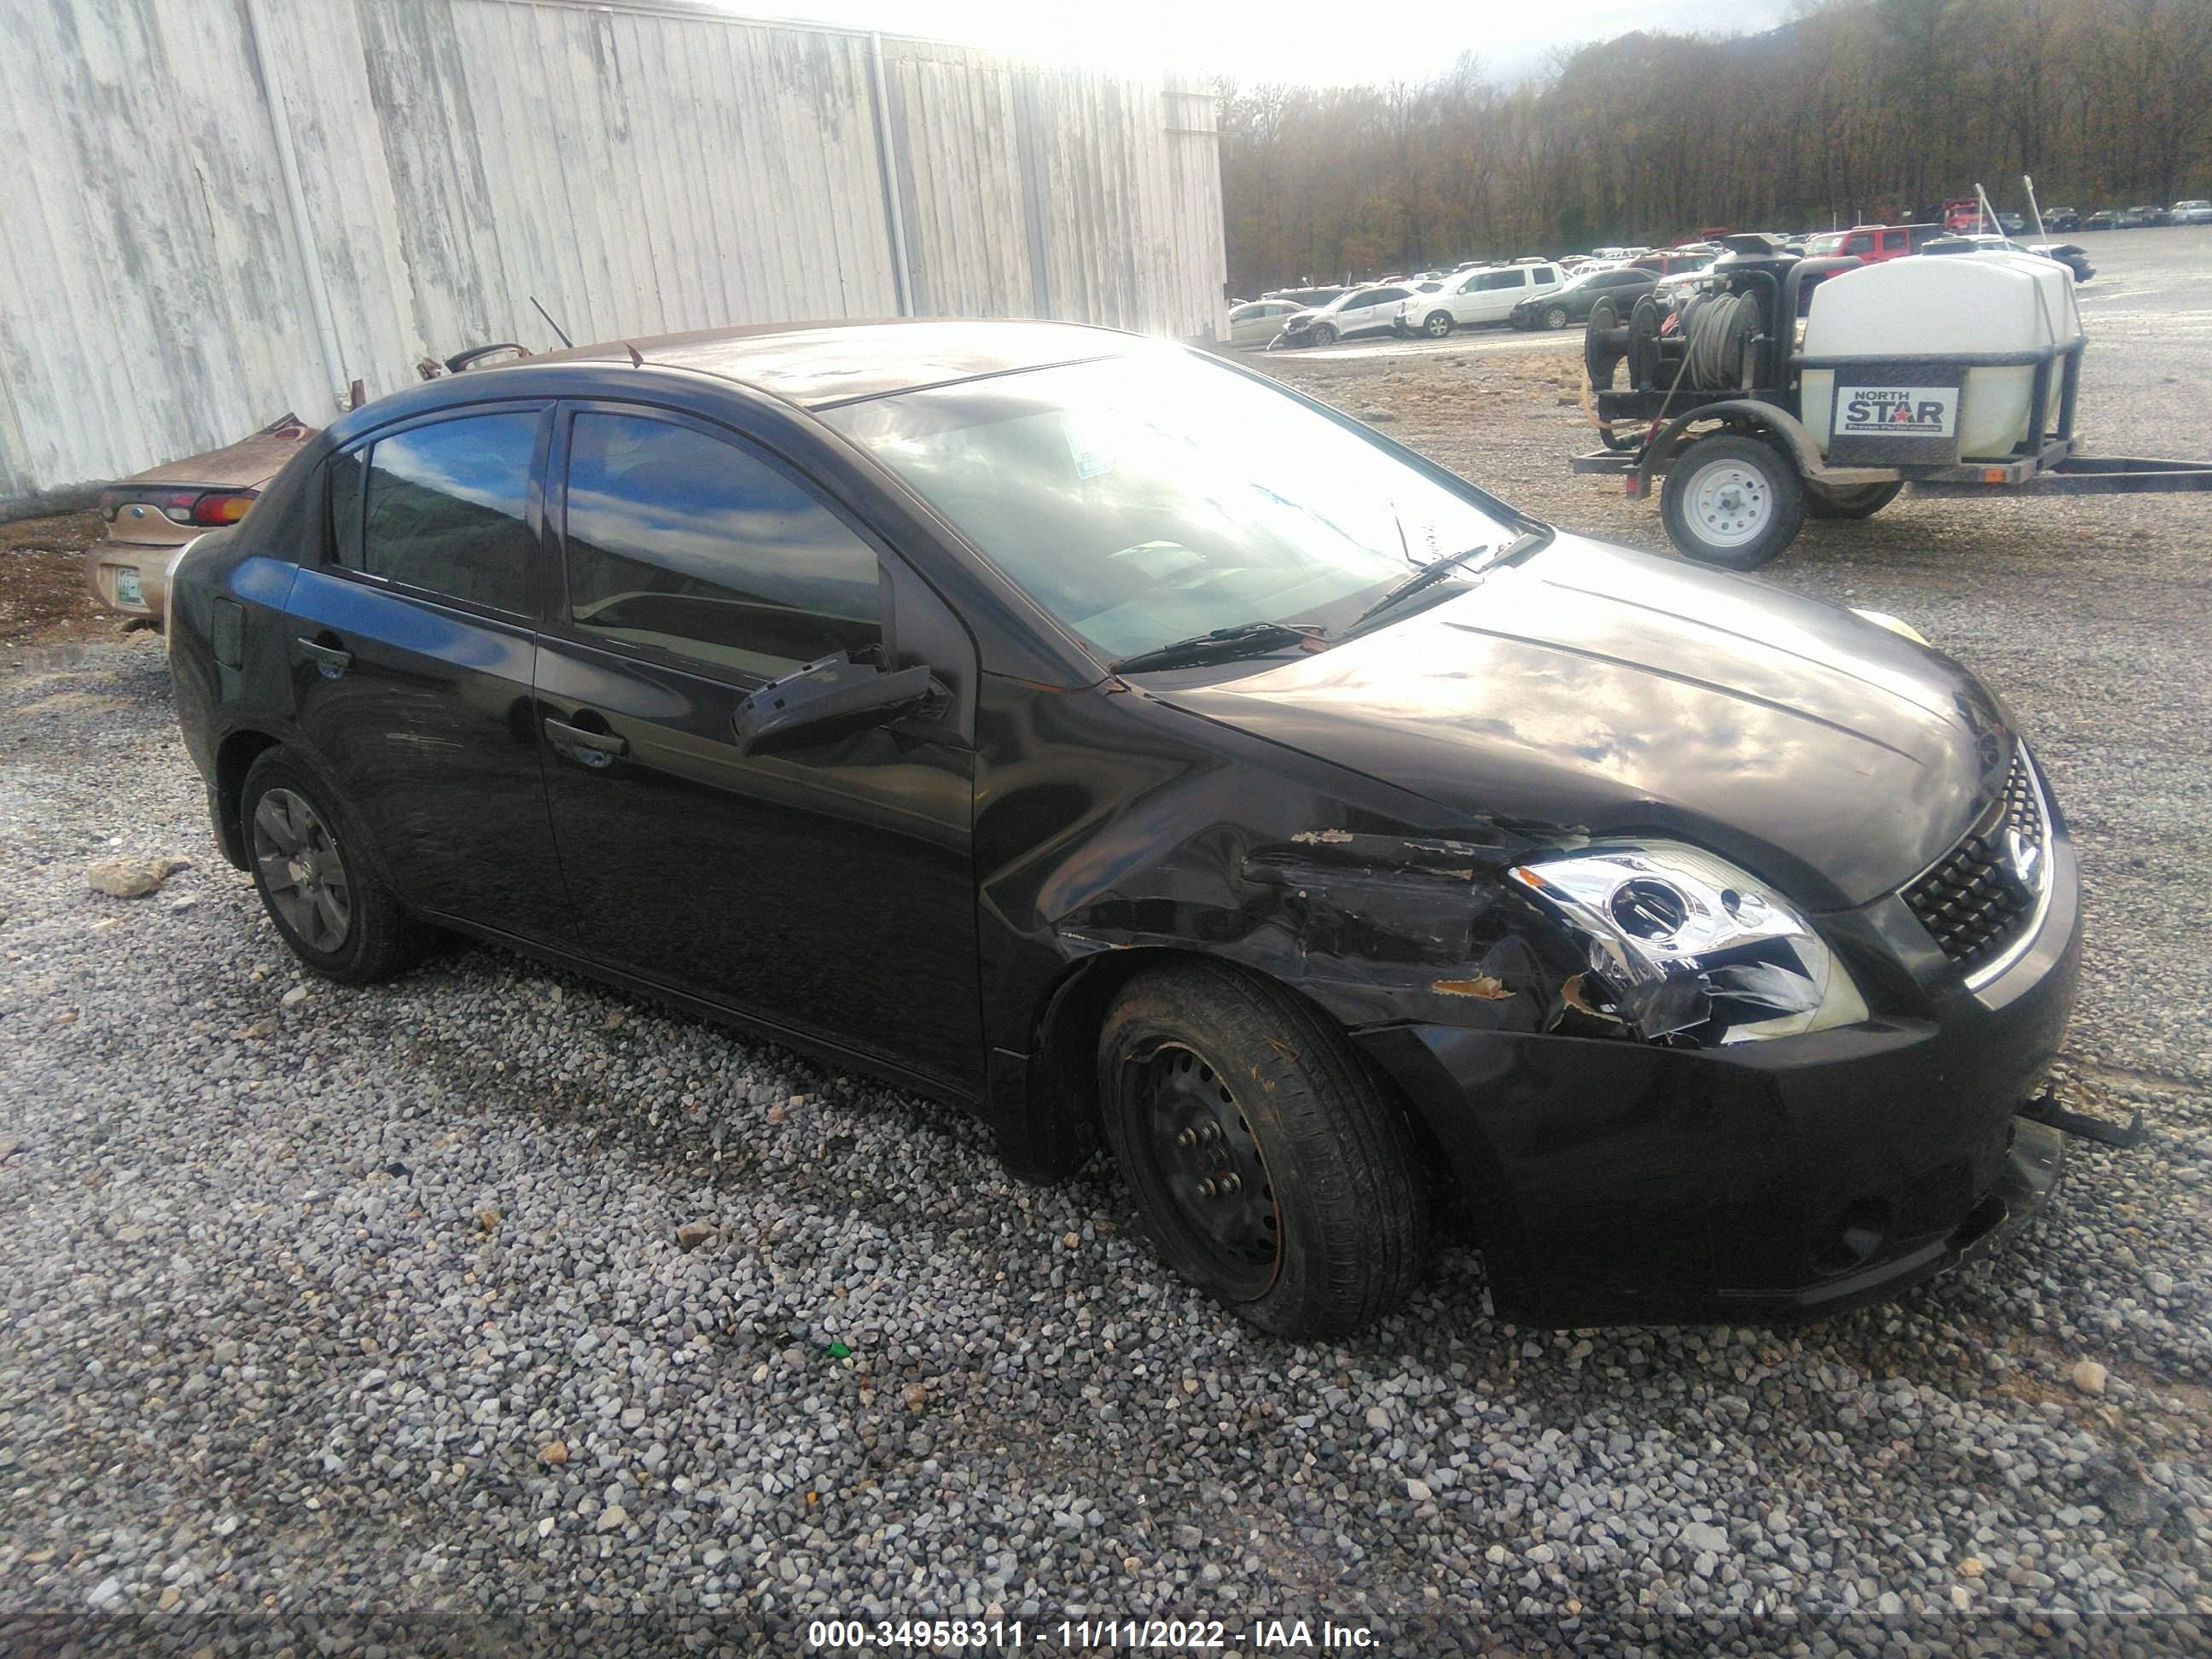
{"type": "Point", "coordinates": [1484, 295]}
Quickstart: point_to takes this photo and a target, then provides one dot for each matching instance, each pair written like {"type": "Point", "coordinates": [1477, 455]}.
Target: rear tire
{"type": "Point", "coordinates": [1863, 503]}
{"type": "Point", "coordinates": [312, 868]}
{"type": "Point", "coordinates": [1732, 502]}
{"type": "Point", "coordinates": [1270, 1167]}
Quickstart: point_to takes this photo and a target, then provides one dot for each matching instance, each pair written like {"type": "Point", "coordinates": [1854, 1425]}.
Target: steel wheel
{"type": "Point", "coordinates": [1729, 503]}
{"type": "Point", "coordinates": [1732, 499]}
{"type": "Point", "coordinates": [301, 871]}
{"type": "Point", "coordinates": [1204, 1161]}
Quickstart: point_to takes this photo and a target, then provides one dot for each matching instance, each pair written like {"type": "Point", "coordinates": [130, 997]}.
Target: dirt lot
{"type": "Point", "coordinates": [42, 593]}
{"type": "Point", "coordinates": [319, 1302]}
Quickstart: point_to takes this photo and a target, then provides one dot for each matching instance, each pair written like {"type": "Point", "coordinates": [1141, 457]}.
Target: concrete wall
{"type": "Point", "coordinates": [639, 168]}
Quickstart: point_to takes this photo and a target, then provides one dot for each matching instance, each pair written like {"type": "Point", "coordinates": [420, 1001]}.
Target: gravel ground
{"type": "Point", "coordinates": [347, 1313]}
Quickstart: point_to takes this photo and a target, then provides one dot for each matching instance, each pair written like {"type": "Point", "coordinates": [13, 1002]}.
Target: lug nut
{"type": "Point", "coordinates": [1186, 1139]}
{"type": "Point", "coordinates": [1206, 1189]}
{"type": "Point", "coordinates": [1229, 1183]}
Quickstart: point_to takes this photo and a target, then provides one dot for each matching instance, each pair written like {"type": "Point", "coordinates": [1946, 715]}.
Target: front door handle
{"type": "Point", "coordinates": [584, 746]}
{"type": "Point", "coordinates": [329, 660]}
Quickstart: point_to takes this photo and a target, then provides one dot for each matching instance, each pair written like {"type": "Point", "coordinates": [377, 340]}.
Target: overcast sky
{"type": "Point", "coordinates": [1337, 41]}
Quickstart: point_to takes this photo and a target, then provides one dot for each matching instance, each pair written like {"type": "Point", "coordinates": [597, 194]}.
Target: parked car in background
{"type": "Point", "coordinates": [2102, 219]}
{"type": "Point", "coordinates": [1873, 244]}
{"type": "Point", "coordinates": [2011, 224]}
{"type": "Point", "coordinates": [1477, 297]}
{"type": "Point", "coordinates": [2069, 254]}
{"type": "Point", "coordinates": [1258, 321]}
{"type": "Point", "coordinates": [1090, 733]}
{"type": "Point", "coordinates": [2062, 218]}
{"type": "Point", "coordinates": [1572, 301]}
{"type": "Point", "coordinates": [2072, 255]}
{"type": "Point", "coordinates": [1671, 260]}
{"type": "Point", "coordinates": [1305, 299]}
{"type": "Point", "coordinates": [152, 514]}
{"type": "Point", "coordinates": [2193, 212]}
{"type": "Point", "coordinates": [1355, 311]}
{"type": "Point", "coordinates": [2142, 216]}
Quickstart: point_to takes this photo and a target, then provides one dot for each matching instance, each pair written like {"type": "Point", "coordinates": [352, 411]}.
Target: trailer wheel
{"type": "Point", "coordinates": [1862, 502]}
{"type": "Point", "coordinates": [1732, 502]}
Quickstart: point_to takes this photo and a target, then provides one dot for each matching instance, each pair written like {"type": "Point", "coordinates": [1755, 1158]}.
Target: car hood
{"type": "Point", "coordinates": [1591, 689]}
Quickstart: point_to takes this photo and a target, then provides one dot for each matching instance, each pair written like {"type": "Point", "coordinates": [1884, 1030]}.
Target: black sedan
{"type": "Point", "coordinates": [1570, 302]}
{"type": "Point", "coordinates": [1116, 743]}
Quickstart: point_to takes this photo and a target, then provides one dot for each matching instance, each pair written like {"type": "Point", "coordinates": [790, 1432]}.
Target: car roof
{"type": "Point", "coordinates": [817, 365]}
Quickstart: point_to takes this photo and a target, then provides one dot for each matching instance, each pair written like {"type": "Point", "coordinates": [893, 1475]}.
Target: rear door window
{"type": "Point", "coordinates": [683, 543]}
{"type": "Point", "coordinates": [445, 510]}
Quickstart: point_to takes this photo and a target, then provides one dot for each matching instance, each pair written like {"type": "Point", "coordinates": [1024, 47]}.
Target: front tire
{"type": "Point", "coordinates": [1437, 324]}
{"type": "Point", "coordinates": [1732, 502]}
{"type": "Point", "coordinates": [1323, 335]}
{"type": "Point", "coordinates": [1863, 503]}
{"type": "Point", "coordinates": [311, 867]}
{"type": "Point", "coordinates": [1556, 316]}
{"type": "Point", "coordinates": [1269, 1166]}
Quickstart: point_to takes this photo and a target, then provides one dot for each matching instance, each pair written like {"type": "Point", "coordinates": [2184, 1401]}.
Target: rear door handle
{"type": "Point", "coordinates": [584, 746]}
{"type": "Point", "coordinates": [328, 658]}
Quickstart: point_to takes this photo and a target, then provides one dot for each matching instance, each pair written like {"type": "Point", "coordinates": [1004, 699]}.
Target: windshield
{"type": "Point", "coordinates": [1828, 244]}
{"type": "Point", "coordinates": [1147, 499]}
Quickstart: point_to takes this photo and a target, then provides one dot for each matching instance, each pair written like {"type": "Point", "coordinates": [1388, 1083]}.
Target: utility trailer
{"type": "Point", "coordinates": [1773, 388]}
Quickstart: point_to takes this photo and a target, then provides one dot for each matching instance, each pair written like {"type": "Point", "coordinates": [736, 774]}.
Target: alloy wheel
{"type": "Point", "coordinates": [300, 870]}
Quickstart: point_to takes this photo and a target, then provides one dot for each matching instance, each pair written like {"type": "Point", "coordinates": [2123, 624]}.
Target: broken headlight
{"type": "Point", "coordinates": [1681, 943]}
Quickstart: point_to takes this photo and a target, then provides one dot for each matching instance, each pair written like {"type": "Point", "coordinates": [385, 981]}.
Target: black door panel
{"type": "Point", "coordinates": [827, 888]}
{"type": "Point", "coordinates": [428, 724]}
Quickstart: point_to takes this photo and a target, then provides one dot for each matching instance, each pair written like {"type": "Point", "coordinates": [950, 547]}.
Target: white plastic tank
{"type": "Point", "coordinates": [1946, 305]}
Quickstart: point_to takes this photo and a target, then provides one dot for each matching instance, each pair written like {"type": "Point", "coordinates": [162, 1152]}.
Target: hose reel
{"type": "Point", "coordinates": [1721, 334]}
{"type": "Point", "coordinates": [1605, 344]}
{"type": "Point", "coordinates": [1714, 346]}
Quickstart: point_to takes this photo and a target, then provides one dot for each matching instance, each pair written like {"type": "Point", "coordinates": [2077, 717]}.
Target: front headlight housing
{"type": "Point", "coordinates": [1682, 945]}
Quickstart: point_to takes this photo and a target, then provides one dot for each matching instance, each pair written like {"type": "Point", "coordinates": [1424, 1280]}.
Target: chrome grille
{"type": "Point", "coordinates": [1986, 894]}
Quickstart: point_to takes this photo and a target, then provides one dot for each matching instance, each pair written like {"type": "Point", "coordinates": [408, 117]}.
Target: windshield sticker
{"type": "Point", "coordinates": [1087, 445]}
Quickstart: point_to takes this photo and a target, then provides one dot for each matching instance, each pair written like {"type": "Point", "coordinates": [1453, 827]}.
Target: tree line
{"type": "Point", "coordinates": [1852, 110]}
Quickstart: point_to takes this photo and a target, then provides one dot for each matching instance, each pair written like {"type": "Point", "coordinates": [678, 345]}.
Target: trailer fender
{"type": "Point", "coordinates": [1777, 426]}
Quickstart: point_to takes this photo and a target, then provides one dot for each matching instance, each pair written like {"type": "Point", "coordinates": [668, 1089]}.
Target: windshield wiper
{"type": "Point", "coordinates": [1221, 645]}
{"type": "Point", "coordinates": [1437, 569]}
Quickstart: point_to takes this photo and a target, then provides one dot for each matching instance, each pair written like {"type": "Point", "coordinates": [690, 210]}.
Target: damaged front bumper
{"type": "Point", "coordinates": [1623, 1182]}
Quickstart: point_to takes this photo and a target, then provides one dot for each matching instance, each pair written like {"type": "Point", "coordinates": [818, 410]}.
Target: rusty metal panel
{"type": "Point", "coordinates": [638, 169]}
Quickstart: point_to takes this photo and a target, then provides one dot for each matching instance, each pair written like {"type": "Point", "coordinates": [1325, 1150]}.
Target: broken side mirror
{"type": "Point", "coordinates": [831, 698]}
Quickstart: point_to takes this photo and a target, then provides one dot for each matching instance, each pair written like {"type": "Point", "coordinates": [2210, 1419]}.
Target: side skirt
{"type": "Point", "coordinates": [874, 1066]}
